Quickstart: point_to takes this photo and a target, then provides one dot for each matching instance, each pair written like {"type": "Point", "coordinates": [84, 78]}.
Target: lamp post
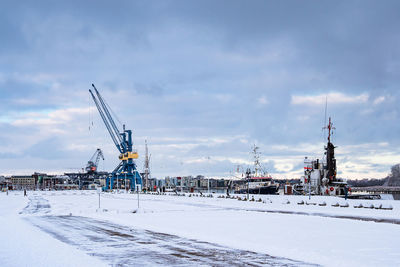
{"type": "Point", "coordinates": [99, 192]}
{"type": "Point", "coordinates": [309, 186]}
{"type": "Point", "coordinates": [138, 189]}
{"type": "Point", "coordinates": [117, 182]}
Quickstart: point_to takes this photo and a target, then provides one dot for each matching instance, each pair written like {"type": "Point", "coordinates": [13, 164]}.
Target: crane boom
{"type": "Point", "coordinates": [110, 119]}
{"type": "Point", "coordinates": [98, 154]}
{"type": "Point", "coordinates": [117, 144]}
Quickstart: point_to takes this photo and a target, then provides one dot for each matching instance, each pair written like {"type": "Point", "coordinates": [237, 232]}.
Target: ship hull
{"type": "Point", "coordinates": [263, 190]}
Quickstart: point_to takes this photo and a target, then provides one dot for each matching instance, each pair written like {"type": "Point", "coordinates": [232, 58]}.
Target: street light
{"type": "Point", "coordinates": [99, 192]}
{"type": "Point", "coordinates": [117, 182]}
{"type": "Point", "coordinates": [126, 190]}
{"type": "Point", "coordinates": [138, 189]}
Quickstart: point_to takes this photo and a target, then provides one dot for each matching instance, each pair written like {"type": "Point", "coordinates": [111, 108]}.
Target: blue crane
{"type": "Point", "coordinates": [126, 169]}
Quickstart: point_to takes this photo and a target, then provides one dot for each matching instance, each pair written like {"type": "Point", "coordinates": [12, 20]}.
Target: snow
{"type": "Point", "coordinates": [22, 244]}
{"type": "Point", "coordinates": [277, 226]}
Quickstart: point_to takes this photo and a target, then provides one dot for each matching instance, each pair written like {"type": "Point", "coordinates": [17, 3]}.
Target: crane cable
{"type": "Point", "coordinates": [90, 115]}
{"type": "Point", "coordinates": [113, 113]}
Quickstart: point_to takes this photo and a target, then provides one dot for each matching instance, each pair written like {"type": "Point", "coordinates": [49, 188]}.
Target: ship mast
{"type": "Point", "coordinates": [256, 155]}
{"type": "Point", "coordinates": [330, 154]}
{"type": "Point", "coordinates": [330, 128]}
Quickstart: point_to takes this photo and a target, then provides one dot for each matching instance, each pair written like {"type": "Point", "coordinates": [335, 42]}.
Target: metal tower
{"type": "Point", "coordinates": [126, 169]}
{"type": "Point", "coordinates": [146, 167]}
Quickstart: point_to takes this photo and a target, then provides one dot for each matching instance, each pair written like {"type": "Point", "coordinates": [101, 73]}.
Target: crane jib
{"type": "Point", "coordinates": [107, 124]}
{"type": "Point", "coordinates": [114, 127]}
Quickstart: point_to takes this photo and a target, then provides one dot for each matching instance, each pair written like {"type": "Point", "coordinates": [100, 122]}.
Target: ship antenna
{"type": "Point", "coordinates": [326, 108]}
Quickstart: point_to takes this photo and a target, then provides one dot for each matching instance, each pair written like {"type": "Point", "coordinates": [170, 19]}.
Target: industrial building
{"type": "Point", "coordinates": [20, 182]}
{"type": "Point", "coordinates": [189, 184]}
{"type": "Point", "coordinates": [3, 183]}
{"type": "Point", "coordinates": [85, 180]}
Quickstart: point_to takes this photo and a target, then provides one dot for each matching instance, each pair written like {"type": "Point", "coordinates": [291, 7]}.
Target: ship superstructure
{"type": "Point", "coordinates": [320, 176]}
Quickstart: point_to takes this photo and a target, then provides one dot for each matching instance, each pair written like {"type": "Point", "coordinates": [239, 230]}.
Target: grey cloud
{"type": "Point", "coordinates": [49, 149]}
{"type": "Point", "coordinates": [9, 155]}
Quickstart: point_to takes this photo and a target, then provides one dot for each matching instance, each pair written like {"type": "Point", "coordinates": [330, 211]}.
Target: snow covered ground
{"type": "Point", "coordinates": [191, 230]}
{"type": "Point", "coordinates": [22, 244]}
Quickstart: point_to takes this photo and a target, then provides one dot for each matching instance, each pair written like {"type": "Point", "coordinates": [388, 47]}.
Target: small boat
{"type": "Point", "coordinates": [257, 181]}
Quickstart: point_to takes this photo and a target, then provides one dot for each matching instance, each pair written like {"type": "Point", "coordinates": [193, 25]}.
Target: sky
{"type": "Point", "coordinates": [202, 82]}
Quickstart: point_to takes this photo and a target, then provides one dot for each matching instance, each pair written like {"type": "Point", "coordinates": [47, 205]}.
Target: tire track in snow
{"type": "Point", "coordinates": [119, 245]}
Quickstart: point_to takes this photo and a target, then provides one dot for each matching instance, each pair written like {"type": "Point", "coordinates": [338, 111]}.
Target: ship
{"type": "Point", "coordinates": [257, 181]}
{"type": "Point", "coordinates": [320, 175]}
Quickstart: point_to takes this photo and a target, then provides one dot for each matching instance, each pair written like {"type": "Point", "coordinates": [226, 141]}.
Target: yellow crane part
{"type": "Point", "coordinates": [129, 155]}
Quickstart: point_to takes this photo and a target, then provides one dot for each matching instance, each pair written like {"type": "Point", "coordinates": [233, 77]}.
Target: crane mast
{"type": "Point", "coordinates": [126, 169]}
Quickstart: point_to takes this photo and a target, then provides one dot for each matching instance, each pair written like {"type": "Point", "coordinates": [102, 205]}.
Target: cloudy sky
{"type": "Point", "coordinates": [202, 81]}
